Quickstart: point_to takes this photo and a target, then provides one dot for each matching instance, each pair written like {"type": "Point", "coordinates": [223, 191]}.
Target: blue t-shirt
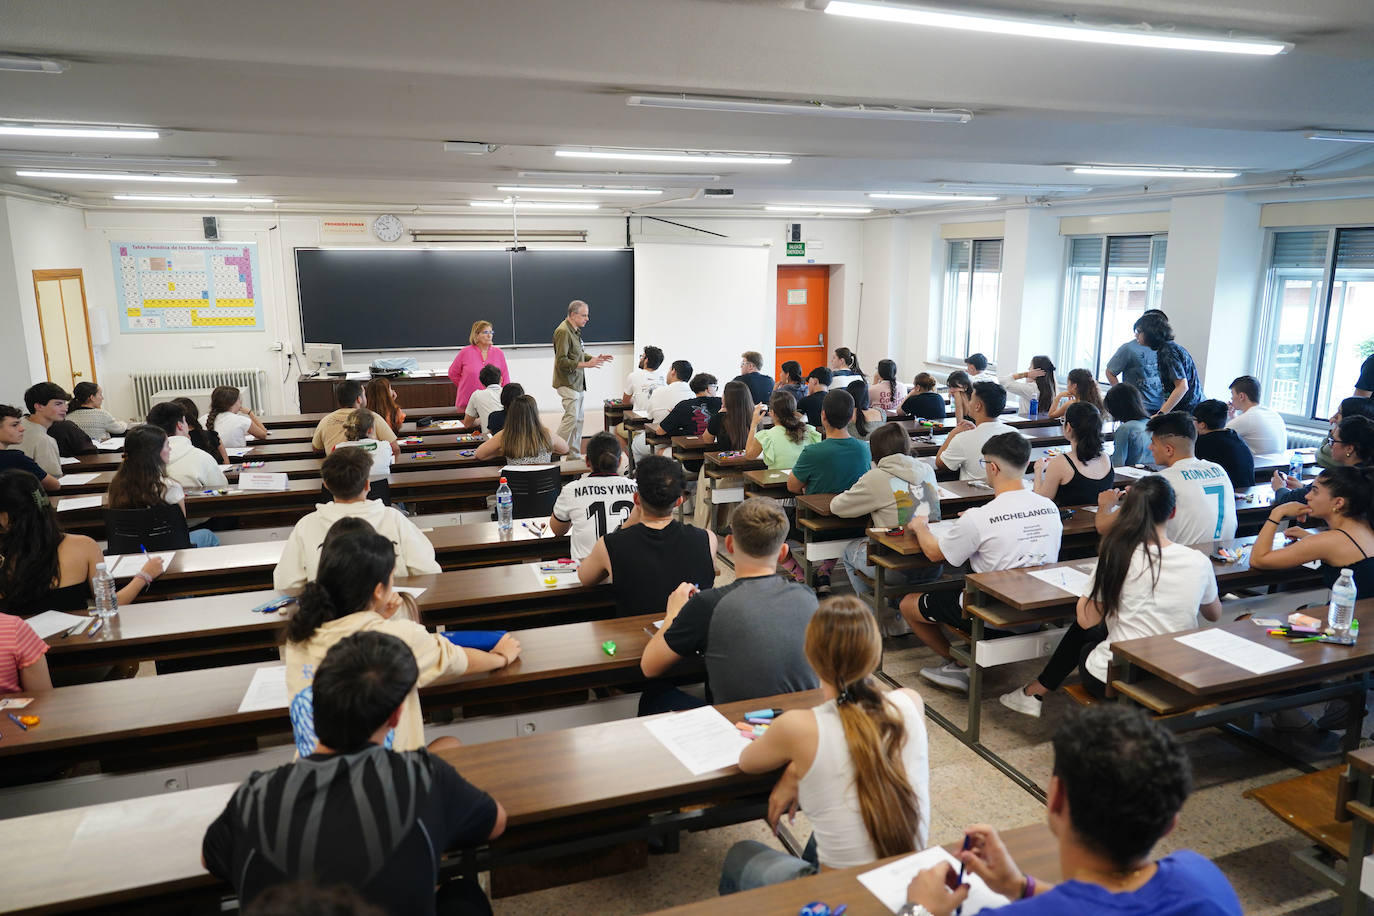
{"type": "Point", "coordinates": [11, 459]}
{"type": "Point", "coordinates": [1135, 363]}
{"type": "Point", "coordinates": [1186, 884]}
{"type": "Point", "coordinates": [833, 465]}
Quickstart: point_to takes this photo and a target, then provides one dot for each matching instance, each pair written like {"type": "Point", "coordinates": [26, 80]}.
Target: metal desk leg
{"type": "Point", "coordinates": [975, 681]}
{"type": "Point", "coordinates": [1353, 900]}
{"type": "Point", "coordinates": [1354, 717]}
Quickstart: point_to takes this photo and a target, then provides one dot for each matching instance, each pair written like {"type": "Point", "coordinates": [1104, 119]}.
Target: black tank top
{"type": "Point", "coordinates": [648, 563]}
{"type": "Point", "coordinates": [1082, 490]}
{"type": "Point", "coordinates": [74, 597]}
{"type": "Point", "coordinates": [1363, 571]}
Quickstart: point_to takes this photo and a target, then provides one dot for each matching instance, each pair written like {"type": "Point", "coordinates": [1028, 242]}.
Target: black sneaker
{"type": "Point", "coordinates": [823, 586]}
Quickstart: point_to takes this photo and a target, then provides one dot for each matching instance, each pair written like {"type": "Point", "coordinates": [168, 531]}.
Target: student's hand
{"type": "Point", "coordinates": [1290, 510]}
{"type": "Point", "coordinates": [918, 523]}
{"type": "Point", "coordinates": [153, 567]}
{"type": "Point", "coordinates": [1295, 534]}
{"type": "Point", "coordinates": [759, 411]}
{"type": "Point", "coordinates": [1035, 373]}
{"type": "Point", "coordinates": [958, 428]}
{"type": "Point", "coordinates": [1042, 465]}
{"type": "Point", "coordinates": [508, 647]}
{"type": "Point", "coordinates": [393, 604]}
{"type": "Point", "coordinates": [987, 858]}
{"type": "Point", "coordinates": [938, 890]}
{"type": "Point", "coordinates": [1280, 480]}
{"type": "Point", "coordinates": [1109, 498]}
{"type": "Point", "coordinates": [784, 798]}
{"type": "Point", "coordinates": [677, 599]}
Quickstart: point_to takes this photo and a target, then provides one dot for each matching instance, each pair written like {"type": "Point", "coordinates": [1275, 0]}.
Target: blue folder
{"type": "Point", "coordinates": [475, 639]}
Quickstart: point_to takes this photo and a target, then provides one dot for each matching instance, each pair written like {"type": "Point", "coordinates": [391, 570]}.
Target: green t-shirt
{"type": "Point", "coordinates": [833, 465]}
{"type": "Point", "coordinates": [779, 451]}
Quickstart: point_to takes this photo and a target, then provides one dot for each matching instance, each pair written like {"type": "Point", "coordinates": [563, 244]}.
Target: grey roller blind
{"type": "Point", "coordinates": [1355, 249]}
{"type": "Point", "coordinates": [1085, 253]}
{"type": "Point", "coordinates": [1128, 251]}
{"type": "Point", "coordinates": [987, 255]}
{"type": "Point", "coordinates": [1300, 249]}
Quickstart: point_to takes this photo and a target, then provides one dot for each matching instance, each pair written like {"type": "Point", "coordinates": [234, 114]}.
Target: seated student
{"type": "Point", "coordinates": [12, 457]}
{"type": "Point", "coordinates": [354, 812]}
{"type": "Point", "coordinates": [728, 426]}
{"type": "Point", "coordinates": [523, 439]}
{"type": "Point", "coordinates": [1349, 407]}
{"type": "Point", "coordinates": [186, 464]}
{"type": "Point", "coordinates": [352, 592]}
{"type": "Point", "coordinates": [1344, 499]}
{"type": "Point", "coordinates": [42, 568]}
{"type": "Point", "coordinates": [750, 367]}
{"type": "Point", "coordinates": [484, 400]}
{"type": "Point", "coordinates": [382, 400]}
{"type": "Point", "coordinates": [87, 411]}
{"type": "Point", "coordinates": [662, 402]}
{"type": "Point", "coordinates": [858, 764]}
{"type": "Point", "coordinates": [1131, 441]}
{"type": "Point", "coordinates": [845, 362]}
{"type": "Point", "coordinates": [780, 444]}
{"type": "Point", "coordinates": [235, 423]}
{"type": "Point", "coordinates": [640, 384]}
{"type": "Point", "coordinates": [329, 432]}
{"type": "Point", "coordinates": [1075, 477]}
{"type": "Point", "coordinates": [961, 395]}
{"type": "Point", "coordinates": [694, 416]}
{"type": "Point", "coordinates": [1206, 501]}
{"type": "Point", "coordinates": [1143, 585]}
{"type": "Point", "coordinates": [886, 392]}
{"type": "Point", "coordinates": [1118, 786]}
{"type": "Point", "coordinates": [898, 487]}
{"type": "Point", "coordinates": [496, 420]}
{"type": "Point", "coordinates": [1351, 445]}
{"type": "Point", "coordinates": [791, 379]}
{"type": "Point", "coordinates": [358, 430]}
{"type": "Point", "coordinates": [345, 473]}
{"type": "Point", "coordinates": [976, 366]}
{"type": "Point", "coordinates": [205, 440]}
{"type": "Point", "coordinates": [1019, 527]}
{"type": "Point", "coordinates": [142, 480]}
{"type": "Point", "coordinates": [23, 662]}
{"type": "Point", "coordinates": [832, 465]}
{"type": "Point", "coordinates": [1261, 427]}
{"type": "Point", "coordinates": [596, 504]}
{"type": "Point", "coordinates": [924, 403]}
{"type": "Point", "coordinates": [1080, 388]}
{"type": "Point", "coordinates": [46, 403]}
{"type": "Point", "coordinates": [1219, 443]}
{"type": "Point", "coordinates": [1038, 386]}
{"type": "Point", "coordinates": [72, 441]}
{"type": "Point", "coordinates": [817, 386]}
{"type": "Point", "coordinates": [751, 632]}
{"type": "Point", "coordinates": [963, 447]}
{"type": "Point", "coordinates": [651, 552]}
{"type": "Point", "coordinates": [866, 417]}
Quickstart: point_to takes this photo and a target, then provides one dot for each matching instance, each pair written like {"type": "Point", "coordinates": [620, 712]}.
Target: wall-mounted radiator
{"type": "Point", "coordinates": [147, 384]}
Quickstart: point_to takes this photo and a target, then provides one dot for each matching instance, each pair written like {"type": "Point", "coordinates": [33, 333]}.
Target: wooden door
{"type": "Point", "coordinates": [66, 330]}
{"type": "Point", "coordinates": [803, 316]}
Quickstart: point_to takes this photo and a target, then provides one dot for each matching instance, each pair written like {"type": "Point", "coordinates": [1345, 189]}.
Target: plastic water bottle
{"type": "Point", "coordinates": [1342, 608]}
{"type": "Point", "coordinates": [1295, 466]}
{"type": "Point", "coordinates": [1034, 408]}
{"type": "Point", "coordinates": [505, 508]}
{"type": "Point", "coordinates": [106, 598]}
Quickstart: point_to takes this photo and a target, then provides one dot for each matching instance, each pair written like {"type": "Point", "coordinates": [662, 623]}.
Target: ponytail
{"type": "Point", "coordinates": [358, 424]}
{"type": "Point", "coordinates": [782, 404]}
{"type": "Point", "coordinates": [354, 560]}
{"type": "Point", "coordinates": [222, 400]}
{"type": "Point", "coordinates": [1148, 504]}
{"type": "Point", "coordinates": [858, 389]}
{"type": "Point", "coordinates": [849, 358]}
{"type": "Point", "coordinates": [1045, 383]}
{"type": "Point", "coordinates": [1086, 422]}
{"type": "Point", "coordinates": [1085, 388]}
{"type": "Point", "coordinates": [887, 372]}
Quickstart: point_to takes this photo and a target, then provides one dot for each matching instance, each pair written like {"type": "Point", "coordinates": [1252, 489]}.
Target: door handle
{"type": "Point", "coordinates": [820, 340]}
{"type": "Point", "coordinates": [76, 375]}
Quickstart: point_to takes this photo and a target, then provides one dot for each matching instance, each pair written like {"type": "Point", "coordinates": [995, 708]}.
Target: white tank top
{"type": "Point", "coordinates": [830, 800]}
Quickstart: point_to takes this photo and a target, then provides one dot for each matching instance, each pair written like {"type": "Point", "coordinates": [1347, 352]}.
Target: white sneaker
{"type": "Point", "coordinates": [951, 674]}
{"type": "Point", "coordinates": [1019, 701]}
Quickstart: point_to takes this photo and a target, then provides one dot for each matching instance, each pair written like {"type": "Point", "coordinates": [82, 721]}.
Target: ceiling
{"type": "Point", "coordinates": [348, 102]}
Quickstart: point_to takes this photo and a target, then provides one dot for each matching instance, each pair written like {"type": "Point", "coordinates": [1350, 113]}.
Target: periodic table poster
{"type": "Point", "coordinates": [187, 286]}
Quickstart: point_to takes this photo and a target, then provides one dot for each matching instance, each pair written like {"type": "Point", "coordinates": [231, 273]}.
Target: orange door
{"type": "Point", "coordinates": [803, 316]}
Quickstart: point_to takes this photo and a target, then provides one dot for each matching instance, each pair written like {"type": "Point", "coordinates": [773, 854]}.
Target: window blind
{"type": "Point", "coordinates": [1128, 251]}
{"type": "Point", "coordinates": [1300, 249]}
{"type": "Point", "coordinates": [1086, 253]}
{"type": "Point", "coordinates": [959, 254]}
{"type": "Point", "coordinates": [1355, 249]}
{"type": "Point", "coordinates": [987, 255]}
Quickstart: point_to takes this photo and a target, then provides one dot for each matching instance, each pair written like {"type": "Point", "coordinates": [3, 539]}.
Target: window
{"type": "Point", "coordinates": [1110, 281]}
{"type": "Point", "coordinates": [1317, 319]}
{"type": "Point", "coordinates": [973, 296]}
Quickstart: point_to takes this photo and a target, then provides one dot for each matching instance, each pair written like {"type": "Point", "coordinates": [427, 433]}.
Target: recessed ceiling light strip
{"type": "Point", "coordinates": [63, 175]}
{"type": "Point", "coordinates": [1150, 172]}
{"type": "Point", "coordinates": [531, 205]}
{"type": "Point", "coordinates": [674, 156]}
{"type": "Point", "coordinates": [176, 199]}
{"type": "Point", "coordinates": [628, 192]}
{"type": "Point", "coordinates": [819, 208]}
{"type": "Point", "coordinates": [79, 131]}
{"type": "Point", "coordinates": [884, 195]}
{"type": "Point", "coordinates": [817, 109]}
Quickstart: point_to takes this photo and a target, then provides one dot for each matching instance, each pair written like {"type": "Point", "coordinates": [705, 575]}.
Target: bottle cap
{"type": "Point", "coordinates": [503, 480]}
{"type": "Point", "coordinates": [1347, 572]}
{"type": "Point", "coordinates": [100, 567]}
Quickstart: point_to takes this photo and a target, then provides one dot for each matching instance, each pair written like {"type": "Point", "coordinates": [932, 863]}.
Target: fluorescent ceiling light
{"type": "Point", "coordinates": [62, 174]}
{"type": "Point", "coordinates": [518, 189]}
{"type": "Point", "coordinates": [174, 199]}
{"type": "Point", "coordinates": [1147, 172]}
{"type": "Point", "coordinates": [108, 159]}
{"type": "Point", "coordinates": [661, 156]}
{"type": "Point", "coordinates": [530, 205]}
{"type": "Point", "coordinates": [918, 196]}
{"type": "Point", "coordinates": [27, 64]}
{"type": "Point", "coordinates": [1129, 36]}
{"type": "Point", "coordinates": [806, 208]}
{"type": "Point", "coordinates": [469, 147]}
{"type": "Point", "coordinates": [64, 130]}
{"type": "Point", "coordinates": [617, 176]}
{"type": "Point", "coordinates": [823, 109]}
{"type": "Point", "coordinates": [1342, 136]}
{"type": "Point", "coordinates": [960, 187]}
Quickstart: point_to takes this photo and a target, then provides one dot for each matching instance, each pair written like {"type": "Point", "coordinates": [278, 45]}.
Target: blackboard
{"type": "Point", "coordinates": [399, 298]}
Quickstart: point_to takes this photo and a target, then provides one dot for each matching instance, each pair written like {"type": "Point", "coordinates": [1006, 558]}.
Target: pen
{"type": "Point", "coordinates": [968, 841]}
{"type": "Point", "coordinates": [15, 720]}
{"type": "Point", "coordinates": [96, 628]}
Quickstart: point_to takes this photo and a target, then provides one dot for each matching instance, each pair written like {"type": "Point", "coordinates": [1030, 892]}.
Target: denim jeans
{"type": "Point", "coordinates": [203, 537]}
{"type": "Point", "coordinates": [856, 561]}
{"type": "Point", "coordinates": [750, 864]}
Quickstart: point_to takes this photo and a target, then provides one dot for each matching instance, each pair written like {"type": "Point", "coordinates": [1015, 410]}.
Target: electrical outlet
{"type": "Point", "coordinates": [203, 345]}
{"type": "Point", "coordinates": [277, 346]}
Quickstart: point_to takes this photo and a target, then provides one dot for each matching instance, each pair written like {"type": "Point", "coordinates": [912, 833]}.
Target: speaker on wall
{"type": "Point", "coordinates": [211, 226]}
{"type": "Point", "coordinates": [794, 232]}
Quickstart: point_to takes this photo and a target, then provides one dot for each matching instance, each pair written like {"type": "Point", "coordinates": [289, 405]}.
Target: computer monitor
{"type": "Point", "coordinates": [326, 357]}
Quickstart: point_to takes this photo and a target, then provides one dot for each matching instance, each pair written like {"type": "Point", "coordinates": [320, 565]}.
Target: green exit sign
{"type": "Point", "coordinates": [796, 249]}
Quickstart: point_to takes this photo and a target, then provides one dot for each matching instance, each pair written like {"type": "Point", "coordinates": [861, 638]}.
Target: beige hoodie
{"type": "Point", "coordinates": [301, 556]}
{"type": "Point", "coordinates": [892, 492]}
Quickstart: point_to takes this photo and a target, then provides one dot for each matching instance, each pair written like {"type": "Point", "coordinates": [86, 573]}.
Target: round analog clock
{"type": "Point", "coordinates": [388, 228]}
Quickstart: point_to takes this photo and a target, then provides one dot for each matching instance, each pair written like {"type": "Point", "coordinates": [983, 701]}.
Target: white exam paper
{"type": "Point", "coordinates": [113, 444]}
{"type": "Point", "coordinates": [890, 882]}
{"type": "Point", "coordinates": [76, 480]}
{"type": "Point", "coordinates": [69, 503]}
{"type": "Point", "coordinates": [237, 452]}
{"type": "Point", "coordinates": [410, 590]}
{"type": "Point", "coordinates": [945, 494]}
{"type": "Point", "coordinates": [267, 690]}
{"type": "Point", "coordinates": [50, 623]}
{"type": "Point", "coordinates": [1238, 651]}
{"type": "Point", "coordinates": [129, 564]}
{"type": "Point", "coordinates": [1066, 578]}
{"type": "Point", "coordinates": [70, 460]}
{"type": "Point", "coordinates": [701, 739]}
{"type": "Point", "coordinates": [1128, 471]}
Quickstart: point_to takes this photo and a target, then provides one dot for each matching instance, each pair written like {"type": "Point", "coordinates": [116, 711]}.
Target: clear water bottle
{"type": "Point", "coordinates": [505, 507]}
{"type": "Point", "coordinates": [106, 598]}
{"type": "Point", "coordinates": [1295, 467]}
{"type": "Point", "coordinates": [1342, 608]}
{"type": "Point", "coordinates": [1034, 408]}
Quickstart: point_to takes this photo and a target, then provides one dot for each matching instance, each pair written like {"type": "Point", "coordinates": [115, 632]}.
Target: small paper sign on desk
{"type": "Point", "coordinates": [113, 444]}
{"type": "Point", "coordinates": [69, 460]}
{"type": "Point", "coordinates": [261, 480]}
{"type": "Point", "coordinates": [237, 452]}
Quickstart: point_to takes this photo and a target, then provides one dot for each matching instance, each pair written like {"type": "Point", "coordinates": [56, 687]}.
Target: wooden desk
{"type": "Point", "coordinates": [612, 412]}
{"type": "Point", "coordinates": [448, 412]}
{"type": "Point", "coordinates": [422, 393]}
{"type": "Point", "coordinates": [763, 482]}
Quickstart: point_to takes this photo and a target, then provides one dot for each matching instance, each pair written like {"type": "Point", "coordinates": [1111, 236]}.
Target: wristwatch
{"type": "Point", "coordinates": [913, 909]}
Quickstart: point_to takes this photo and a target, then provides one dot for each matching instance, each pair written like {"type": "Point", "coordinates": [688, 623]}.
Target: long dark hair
{"type": "Point", "coordinates": [192, 412]}
{"type": "Point", "coordinates": [1086, 422]}
{"type": "Point", "coordinates": [352, 565]}
{"type": "Point", "coordinates": [858, 389]}
{"type": "Point", "coordinates": [739, 413]}
{"type": "Point", "coordinates": [1124, 403]}
{"type": "Point", "coordinates": [382, 400]}
{"type": "Point", "coordinates": [791, 372]}
{"type": "Point", "coordinates": [1086, 387]}
{"type": "Point", "coordinates": [1355, 486]}
{"type": "Point", "coordinates": [141, 480]}
{"type": "Point", "coordinates": [1148, 504]}
{"type": "Point", "coordinates": [1045, 382]}
{"type": "Point", "coordinates": [222, 400]}
{"type": "Point", "coordinates": [783, 406]}
{"type": "Point", "coordinates": [887, 371]}
{"type": "Point", "coordinates": [849, 358]}
{"type": "Point", "coordinates": [81, 393]}
{"type": "Point", "coordinates": [28, 544]}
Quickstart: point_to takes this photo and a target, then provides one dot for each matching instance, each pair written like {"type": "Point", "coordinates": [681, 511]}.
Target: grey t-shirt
{"type": "Point", "coordinates": [1137, 364]}
{"type": "Point", "coordinates": [751, 633]}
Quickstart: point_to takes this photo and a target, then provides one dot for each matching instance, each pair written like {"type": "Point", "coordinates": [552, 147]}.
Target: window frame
{"type": "Point", "coordinates": [1155, 276]}
{"type": "Point", "coordinates": [953, 302]}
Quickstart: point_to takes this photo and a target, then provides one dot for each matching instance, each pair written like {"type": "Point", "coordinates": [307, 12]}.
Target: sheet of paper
{"type": "Point", "coordinates": [50, 623]}
{"type": "Point", "coordinates": [658, 624]}
{"type": "Point", "coordinates": [267, 691]}
{"type": "Point", "coordinates": [942, 527]}
{"type": "Point", "coordinates": [112, 444]}
{"type": "Point", "coordinates": [1066, 578]}
{"type": "Point", "coordinates": [410, 590]}
{"type": "Point", "coordinates": [261, 480]}
{"type": "Point", "coordinates": [227, 467]}
{"type": "Point", "coordinates": [1238, 651]}
{"type": "Point", "coordinates": [890, 882]}
{"type": "Point", "coordinates": [701, 739]}
{"type": "Point", "coordinates": [130, 563]}
{"type": "Point", "coordinates": [945, 494]}
{"type": "Point", "coordinates": [1127, 471]}
{"type": "Point", "coordinates": [15, 702]}
{"type": "Point", "coordinates": [76, 480]}
{"type": "Point", "coordinates": [68, 503]}
{"type": "Point", "coordinates": [237, 452]}
{"type": "Point", "coordinates": [70, 460]}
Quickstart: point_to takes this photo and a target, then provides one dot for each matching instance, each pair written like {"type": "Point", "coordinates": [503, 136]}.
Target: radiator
{"type": "Point", "coordinates": [1304, 438]}
{"type": "Point", "coordinates": [147, 384]}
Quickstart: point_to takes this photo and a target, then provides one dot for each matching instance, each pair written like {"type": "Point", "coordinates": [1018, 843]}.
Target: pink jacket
{"type": "Point", "coordinates": [466, 366]}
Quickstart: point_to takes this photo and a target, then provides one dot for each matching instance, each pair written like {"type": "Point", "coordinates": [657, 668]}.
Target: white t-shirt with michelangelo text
{"type": "Point", "coordinates": [1018, 528]}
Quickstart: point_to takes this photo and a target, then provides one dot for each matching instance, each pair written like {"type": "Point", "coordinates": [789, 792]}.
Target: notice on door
{"type": "Point", "coordinates": [796, 297]}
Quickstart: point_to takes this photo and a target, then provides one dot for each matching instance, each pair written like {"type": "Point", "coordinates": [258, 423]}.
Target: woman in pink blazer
{"type": "Point", "coordinates": [470, 360]}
